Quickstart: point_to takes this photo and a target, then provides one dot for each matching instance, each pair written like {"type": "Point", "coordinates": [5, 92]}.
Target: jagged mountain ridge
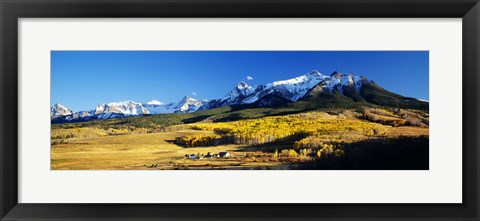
{"type": "Point", "coordinates": [126, 109]}
{"type": "Point", "coordinates": [302, 87]}
{"type": "Point", "coordinates": [291, 89]}
{"type": "Point", "coordinates": [59, 110]}
{"type": "Point", "coordinates": [347, 90]}
{"type": "Point", "coordinates": [312, 89]}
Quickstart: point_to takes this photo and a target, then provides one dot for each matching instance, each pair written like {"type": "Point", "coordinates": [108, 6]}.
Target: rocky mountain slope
{"type": "Point", "coordinates": [308, 91]}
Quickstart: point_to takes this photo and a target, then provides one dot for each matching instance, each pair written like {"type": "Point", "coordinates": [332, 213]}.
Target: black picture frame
{"type": "Point", "coordinates": [12, 10]}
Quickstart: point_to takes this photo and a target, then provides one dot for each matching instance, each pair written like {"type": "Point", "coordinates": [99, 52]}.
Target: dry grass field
{"type": "Point", "coordinates": [93, 148]}
{"type": "Point", "coordinates": [147, 151]}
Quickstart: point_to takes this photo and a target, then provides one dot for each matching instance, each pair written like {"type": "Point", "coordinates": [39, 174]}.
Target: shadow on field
{"type": "Point", "coordinates": [278, 144]}
{"type": "Point", "coordinates": [403, 153]}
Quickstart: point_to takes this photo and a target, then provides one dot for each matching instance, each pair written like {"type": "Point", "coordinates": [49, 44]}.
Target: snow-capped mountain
{"type": "Point", "coordinates": [125, 109]}
{"type": "Point", "coordinates": [237, 94]}
{"type": "Point", "coordinates": [313, 87]}
{"type": "Point", "coordinates": [187, 105]}
{"type": "Point", "coordinates": [341, 81]}
{"type": "Point", "coordinates": [154, 103]}
{"type": "Point", "coordinates": [83, 114]}
{"type": "Point", "coordinates": [291, 90]}
{"type": "Point", "coordinates": [59, 110]}
{"type": "Point", "coordinates": [157, 107]}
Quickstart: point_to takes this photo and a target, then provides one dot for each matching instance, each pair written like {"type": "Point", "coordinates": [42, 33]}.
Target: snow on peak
{"type": "Point", "coordinates": [238, 93]}
{"type": "Point", "coordinates": [59, 106]}
{"type": "Point", "coordinates": [313, 73]}
{"type": "Point", "coordinates": [121, 103]}
{"type": "Point", "coordinates": [291, 89]}
{"type": "Point", "coordinates": [294, 88]}
{"type": "Point", "coordinates": [188, 99]}
{"type": "Point", "coordinates": [59, 110]}
{"type": "Point", "coordinates": [313, 77]}
{"type": "Point", "coordinates": [128, 108]}
{"type": "Point", "coordinates": [339, 81]}
{"type": "Point", "coordinates": [188, 104]}
{"type": "Point", "coordinates": [123, 107]}
{"type": "Point", "coordinates": [155, 102]}
{"type": "Point", "coordinates": [242, 85]}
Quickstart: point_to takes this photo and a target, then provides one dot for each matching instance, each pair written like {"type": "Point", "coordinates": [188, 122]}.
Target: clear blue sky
{"type": "Point", "coordinates": [82, 79]}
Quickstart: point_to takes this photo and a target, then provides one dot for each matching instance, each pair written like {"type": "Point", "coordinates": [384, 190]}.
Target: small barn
{"type": "Point", "coordinates": [224, 154]}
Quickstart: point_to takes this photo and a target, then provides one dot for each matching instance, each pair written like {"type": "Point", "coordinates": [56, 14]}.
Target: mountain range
{"type": "Point", "coordinates": [311, 90]}
{"type": "Point", "coordinates": [60, 113]}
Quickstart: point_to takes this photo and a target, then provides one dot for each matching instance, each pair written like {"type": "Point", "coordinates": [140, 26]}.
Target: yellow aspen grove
{"type": "Point", "coordinates": [307, 130]}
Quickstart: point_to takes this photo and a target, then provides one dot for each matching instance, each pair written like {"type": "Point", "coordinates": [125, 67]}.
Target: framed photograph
{"type": "Point", "coordinates": [253, 110]}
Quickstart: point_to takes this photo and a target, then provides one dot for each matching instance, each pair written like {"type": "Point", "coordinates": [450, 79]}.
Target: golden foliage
{"type": "Point", "coordinates": [312, 125]}
{"type": "Point", "coordinates": [200, 140]}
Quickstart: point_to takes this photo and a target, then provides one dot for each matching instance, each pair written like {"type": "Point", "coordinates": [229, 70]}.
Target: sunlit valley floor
{"type": "Point", "coordinates": [263, 138]}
